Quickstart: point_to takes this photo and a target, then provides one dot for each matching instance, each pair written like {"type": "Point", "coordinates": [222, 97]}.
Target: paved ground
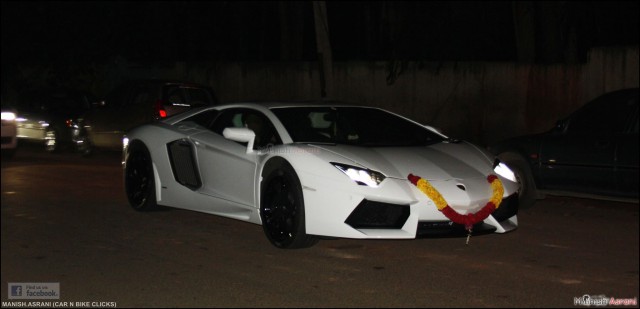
{"type": "Point", "coordinates": [65, 220]}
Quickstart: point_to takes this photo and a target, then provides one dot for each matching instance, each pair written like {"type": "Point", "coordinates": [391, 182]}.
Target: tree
{"type": "Point", "coordinates": [323, 47]}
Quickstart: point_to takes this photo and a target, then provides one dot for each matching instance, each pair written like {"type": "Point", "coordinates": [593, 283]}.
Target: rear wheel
{"type": "Point", "coordinates": [51, 140]}
{"type": "Point", "coordinates": [8, 153]}
{"type": "Point", "coordinates": [282, 209]}
{"type": "Point", "coordinates": [139, 179]}
{"type": "Point", "coordinates": [84, 145]}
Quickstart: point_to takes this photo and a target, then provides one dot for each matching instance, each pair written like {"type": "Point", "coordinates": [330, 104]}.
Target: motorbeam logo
{"type": "Point", "coordinates": [34, 290]}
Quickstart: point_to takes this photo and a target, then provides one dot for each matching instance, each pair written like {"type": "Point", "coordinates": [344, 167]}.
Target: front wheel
{"type": "Point", "coordinates": [51, 140]}
{"type": "Point", "coordinates": [139, 179]}
{"type": "Point", "coordinates": [84, 145]}
{"type": "Point", "coordinates": [282, 210]}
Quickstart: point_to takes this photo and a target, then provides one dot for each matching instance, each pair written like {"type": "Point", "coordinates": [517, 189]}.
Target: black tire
{"type": "Point", "coordinates": [51, 143]}
{"type": "Point", "coordinates": [139, 179]}
{"type": "Point", "coordinates": [8, 153]}
{"type": "Point", "coordinates": [528, 192]}
{"type": "Point", "coordinates": [84, 145]}
{"type": "Point", "coordinates": [282, 209]}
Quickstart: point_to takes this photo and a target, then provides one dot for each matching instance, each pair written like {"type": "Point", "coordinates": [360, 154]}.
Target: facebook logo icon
{"type": "Point", "coordinates": [16, 290]}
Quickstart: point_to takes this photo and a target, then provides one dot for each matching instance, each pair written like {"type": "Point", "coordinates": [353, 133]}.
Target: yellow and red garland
{"type": "Point", "coordinates": [467, 220]}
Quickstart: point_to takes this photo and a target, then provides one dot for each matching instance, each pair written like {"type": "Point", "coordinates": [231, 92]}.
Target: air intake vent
{"type": "Point", "coordinates": [183, 164]}
{"type": "Point", "coordinates": [378, 215]}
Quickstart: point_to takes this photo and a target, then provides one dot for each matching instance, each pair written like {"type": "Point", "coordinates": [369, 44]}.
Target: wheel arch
{"type": "Point", "coordinates": [302, 239]}
{"type": "Point", "coordinates": [269, 166]}
{"type": "Point", "coordinates": [517, 161]}
{"type": "Point", "coordinates": [135, 146]}
{"type": "Point", "coordinates": [516, 155]}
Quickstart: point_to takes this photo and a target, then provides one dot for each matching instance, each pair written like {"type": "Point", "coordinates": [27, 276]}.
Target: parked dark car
{"type": "Point", "coordinates": [137, 102]}
{"type": "Point", "coordinates": [50, 117]}
{"type": "Point", "coordinates": [592, 153]}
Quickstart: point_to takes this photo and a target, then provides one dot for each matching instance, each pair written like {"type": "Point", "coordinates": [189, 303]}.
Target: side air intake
{"type": "Point", "coordinates": [183, 164]}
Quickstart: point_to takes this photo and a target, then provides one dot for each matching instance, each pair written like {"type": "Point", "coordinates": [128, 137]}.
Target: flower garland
{"type": "Point", "coordinates": [469, 219]}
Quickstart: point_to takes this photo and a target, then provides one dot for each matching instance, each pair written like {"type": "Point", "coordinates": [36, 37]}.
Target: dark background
{"type": "Point", "coordinates": [96, 31]}
{"type": "Point", "coordinates": [52, 44]}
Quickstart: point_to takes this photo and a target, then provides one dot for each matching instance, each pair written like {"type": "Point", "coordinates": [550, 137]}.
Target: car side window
{"type": "Point", "coordinates": [204, 119]}
{"type": "Point", "coordinates": [634, 122]}
{"type": "Point", "coordinates": [140, 97]}
{"type": "Point", "coordinates": [266, 133]}
{"type": "Point", "coordinates": [605, 115]}
{"type": "Point", "coordinates": [118, 97]}
{"type": "Point", "coordinates": [198, 96]}
{"type": "Point", "coordinates": [175, 95]}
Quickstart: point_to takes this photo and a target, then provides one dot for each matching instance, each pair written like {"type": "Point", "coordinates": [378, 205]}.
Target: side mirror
{"type": "Point", "coordinates": [242, 135]}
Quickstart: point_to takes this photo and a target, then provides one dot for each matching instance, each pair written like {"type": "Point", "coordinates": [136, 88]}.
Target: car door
{"type": "Point", "coordinates": [227, 171]}
{"type": "Point", "coordinates": [626, 165]}
{"type": "Point", "coordinates": [138, 109]}
{"type": "Point", "coordinates": [105, 122]}
{"type": "Point", "coordinates": [582, 156]}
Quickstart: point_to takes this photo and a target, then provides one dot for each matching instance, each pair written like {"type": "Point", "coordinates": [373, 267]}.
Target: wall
{"type": "Point", "coordinates": [480, 101]}
{"type": "Point", "coordinates": [483, 102]}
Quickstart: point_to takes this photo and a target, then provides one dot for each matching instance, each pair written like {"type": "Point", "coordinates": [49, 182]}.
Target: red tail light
{"type": "Point", "coordinates": [160, 111]}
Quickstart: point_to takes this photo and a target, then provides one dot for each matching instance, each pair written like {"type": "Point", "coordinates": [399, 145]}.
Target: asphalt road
{"type": "Point", "coordinates": [65, 220]}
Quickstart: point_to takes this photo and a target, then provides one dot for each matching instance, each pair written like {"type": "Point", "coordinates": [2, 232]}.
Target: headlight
{"type": "Point", "coordinates": [361, 176]}
{"type": "Point", "coordinates": [503, 170]}
{"type": "Point", "coordinates": [125, 143]}
{"type": "Point", "coordinates": [8, 116]}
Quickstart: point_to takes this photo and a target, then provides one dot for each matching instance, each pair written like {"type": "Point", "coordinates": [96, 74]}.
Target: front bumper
{"type": "Point", "coordinates": [502, 216]}
{"type": "Point", "coordinates": [9, 140]}
{"type": "Point", "coordinates": [395, 210]}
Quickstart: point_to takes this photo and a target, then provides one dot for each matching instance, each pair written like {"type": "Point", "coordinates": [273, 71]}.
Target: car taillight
{"type": "Point", "coordinates": [160, 111]}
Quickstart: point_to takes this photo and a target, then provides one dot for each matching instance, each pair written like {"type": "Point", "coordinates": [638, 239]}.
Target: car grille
{"type": "Point", "coordinates": [508, 208]}
{"type": "Point", "coordinates": [450, 229]}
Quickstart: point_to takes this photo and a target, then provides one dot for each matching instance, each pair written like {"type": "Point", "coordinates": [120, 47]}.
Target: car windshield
{"type": "Point", "coordinates": [359, 126]}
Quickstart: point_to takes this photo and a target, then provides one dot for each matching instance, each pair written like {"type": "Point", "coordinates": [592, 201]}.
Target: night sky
{"type": "Point", "coordinates": [159, 31]}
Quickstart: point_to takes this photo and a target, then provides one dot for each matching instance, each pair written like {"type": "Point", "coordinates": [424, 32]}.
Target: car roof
{"type": "Point", "coordinates": [283, 104]}
{"type": "Point", "coordinates": [162, 82]}
{"type": "Point", "coordinates": [263, 106]}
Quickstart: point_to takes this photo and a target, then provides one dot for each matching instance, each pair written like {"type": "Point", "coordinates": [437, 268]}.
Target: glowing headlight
{"type": "Point", "coordinates": [125, 143]}
{"type": "Point", "coordinates": [503, 170]}
{"type": "Point", "coordinates": [361, 176]}
{"type": "Point", "coordinates": [8, 116]}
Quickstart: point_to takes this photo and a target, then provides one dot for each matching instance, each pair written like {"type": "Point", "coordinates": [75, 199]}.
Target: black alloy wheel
{"type": "Point", "coordinates": [139, 179]}
{"type": "Point", "coordinates": [282, 210]}
{"type": "Point", "coordinates": [51, 140]}
{"type": "Point", "coordinates": [84, 145]}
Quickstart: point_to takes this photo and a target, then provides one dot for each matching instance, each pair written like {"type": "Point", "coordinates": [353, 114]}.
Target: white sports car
{"type": "Point", "coordinates": [308, 171]}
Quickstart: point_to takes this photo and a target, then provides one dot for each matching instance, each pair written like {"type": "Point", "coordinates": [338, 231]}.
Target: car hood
{"type": "Point", "coordinates": [442, 161]}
